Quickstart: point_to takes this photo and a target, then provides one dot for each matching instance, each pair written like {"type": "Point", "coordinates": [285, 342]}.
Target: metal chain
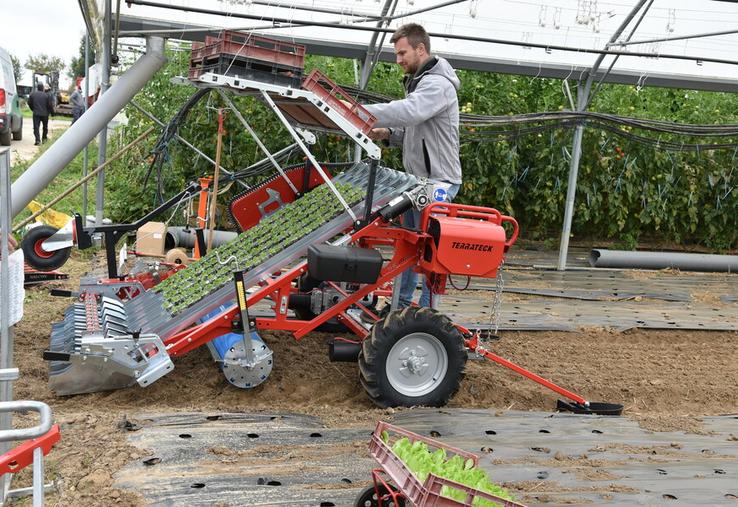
{"type": "Point", "coordinates": [494, 316]}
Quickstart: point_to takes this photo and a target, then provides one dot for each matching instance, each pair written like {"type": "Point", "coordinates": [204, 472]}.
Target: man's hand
{"type": "Point", "coordinates": [381, 134]}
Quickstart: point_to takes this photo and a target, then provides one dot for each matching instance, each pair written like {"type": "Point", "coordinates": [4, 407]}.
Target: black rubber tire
{"type": "Point", "coordinates": [18, 134]}
{"type": "Point", "coordinates": [5, 138]}
{"type": "Point", "coordinates": [34, 256]}
{"type": "Point", "coordinates": [391, 329]}
{"type": "Point", "coordinates": [368, 498]}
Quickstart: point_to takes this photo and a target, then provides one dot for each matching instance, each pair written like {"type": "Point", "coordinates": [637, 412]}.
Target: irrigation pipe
{"type": "Point", "coordinates": [602, 258]}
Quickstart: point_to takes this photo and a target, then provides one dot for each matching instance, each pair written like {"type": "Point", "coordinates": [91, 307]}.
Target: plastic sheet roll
{"type": "Point", "coordinates": [603, 258]}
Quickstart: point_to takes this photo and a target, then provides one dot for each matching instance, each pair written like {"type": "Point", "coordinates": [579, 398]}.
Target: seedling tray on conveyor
{"type": "Point", "coordinates": [427, 493]}
{"type": "Point", "coordinates": [147, 312]}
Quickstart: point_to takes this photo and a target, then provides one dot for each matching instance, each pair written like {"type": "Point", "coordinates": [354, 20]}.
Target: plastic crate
{"type": "Point", "coordinates": [246, 69]}
{"type": "Point", "coordinates": [338, 99]}
{"type": "Point", "coordinates": [256, 47]}
{"type": "Point", "coordinates": [428, 493]}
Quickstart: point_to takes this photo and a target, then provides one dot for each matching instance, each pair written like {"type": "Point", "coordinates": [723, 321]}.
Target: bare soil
{"type": "Point", "coordinates": [665, 379]}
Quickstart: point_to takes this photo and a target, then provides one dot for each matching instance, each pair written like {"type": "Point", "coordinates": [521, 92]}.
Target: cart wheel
{"type": "Point", "coordinates": [36, 256]}
{"type": "Point", "coordinates": [414, 356]}
{"type": "Point", "coordinates": [368, 498]}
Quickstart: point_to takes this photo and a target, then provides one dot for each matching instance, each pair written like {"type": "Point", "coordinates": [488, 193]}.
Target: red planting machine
{"type": "Point", "coordinates": [328, 273]}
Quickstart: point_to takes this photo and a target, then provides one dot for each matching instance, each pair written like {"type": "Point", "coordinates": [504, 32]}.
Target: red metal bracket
{"type": "Point", "coordinates": [473, 345]}
{"type": "Point", "coordinates": [20, 457]}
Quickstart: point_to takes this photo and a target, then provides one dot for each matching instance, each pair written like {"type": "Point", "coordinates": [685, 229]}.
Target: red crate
{"type": "Point", "coordinates": [338, 99]}
{"type": "Point", "coordinates": [428, 493]}
{"type": "Point", "coordinates": [256, 47]}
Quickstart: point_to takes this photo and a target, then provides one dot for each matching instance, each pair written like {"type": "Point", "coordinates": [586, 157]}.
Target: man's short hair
{"type": "Point", "coordinates": [40, 87]}
{"type": "Point", "coordinates": [414, 33]}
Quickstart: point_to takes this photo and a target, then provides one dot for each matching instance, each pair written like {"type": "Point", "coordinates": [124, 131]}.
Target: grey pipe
{"type": "Point", "coordinates": [52, 162]}
{"type": "Point", "coordinates": [179, 236]}
{"type": "Point", "coordinates": [26, 433]}
{"type": "Point", "coordinates": [602, 258]}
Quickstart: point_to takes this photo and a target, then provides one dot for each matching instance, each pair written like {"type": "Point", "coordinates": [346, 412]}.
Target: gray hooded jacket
{"type": "Point", "coordinates": [426, 122]}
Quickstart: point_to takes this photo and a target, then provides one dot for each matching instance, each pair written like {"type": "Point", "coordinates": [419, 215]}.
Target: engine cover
{"type": "Point", "coordinates": [464, 242]}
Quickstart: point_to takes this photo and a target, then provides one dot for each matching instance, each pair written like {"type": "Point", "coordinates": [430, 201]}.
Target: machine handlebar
{"type": "Point", "coordinates": [470, 212]}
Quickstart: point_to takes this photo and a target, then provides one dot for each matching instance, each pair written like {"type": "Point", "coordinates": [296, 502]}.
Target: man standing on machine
{"type": "Point", "coordinates": [426, 124]}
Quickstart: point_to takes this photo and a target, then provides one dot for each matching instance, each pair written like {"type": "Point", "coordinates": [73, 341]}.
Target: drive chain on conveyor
{"type": "Point", "coordinates": [252, 247]}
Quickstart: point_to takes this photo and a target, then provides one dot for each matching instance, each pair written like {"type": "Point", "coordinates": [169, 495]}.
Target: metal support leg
{"type": "Point", "coordinates": [257, 140]}
{"type": "Point", "coordinates": [309, 155]}
{"type": "Point", "coordinates": [6, 332]}
{"type": "Point", "coordinates": [103, 136]}
{"type": "Point", "coordinates": [248, 327]}
{"type": "Point", "coordinates": [86, 152]}
{"type": "Point", "coordinates": [396, 288]}
{"type": "Point", "coordinates": [370, 191]}
{"type": "Point", "coordinates": [571, 192]}
{"type": "Point", "coordinates": [38, 477]}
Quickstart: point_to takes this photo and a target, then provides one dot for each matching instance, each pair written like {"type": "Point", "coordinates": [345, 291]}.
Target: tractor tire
{"type": "Point", "coordinates": [5, 138]}
{"type": "Point", "coordinates": [368, 498]}
{"type": "Point", "coordinates": [415, 356]}
{"type": "Point", "coordinates": [36, 257]}
{"type": "Point", "coordinates": [18, 134]}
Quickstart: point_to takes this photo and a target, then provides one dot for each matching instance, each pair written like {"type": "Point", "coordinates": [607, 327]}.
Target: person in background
{"type": "Point", "coordinates": [78, 103]}
{"type": "Point", "coordinates": [42, 105]}
{"type": "Point", "coordinates": [426, 124]}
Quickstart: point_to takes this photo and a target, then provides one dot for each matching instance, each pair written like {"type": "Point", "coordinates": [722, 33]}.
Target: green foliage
{"type": "Point", "coordinates": [77, 65]}
{"type": "Point", "coordinates": [270, 236]}
{"type": "Point", "coordinates": [44, 64]}
{"type": "Point", "coordinates": [422, 462]}
{"type": "Point", "coordinates": [17, 67]}
{"type": "Point", "coordinates": [626, 191]}
{"type": "Point", "coordinates": [70, 175]}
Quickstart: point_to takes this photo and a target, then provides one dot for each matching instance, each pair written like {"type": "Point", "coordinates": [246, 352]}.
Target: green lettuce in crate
{"type": "Point", "coordinates": [422, 462]}
{"type": "Point", "coordinates": [270, 236]}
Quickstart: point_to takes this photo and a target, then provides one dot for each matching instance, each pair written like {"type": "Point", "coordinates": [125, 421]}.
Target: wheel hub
{"type": "Point", "coordinates": [416, 364]}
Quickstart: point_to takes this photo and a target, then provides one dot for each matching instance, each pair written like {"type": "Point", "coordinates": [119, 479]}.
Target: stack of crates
{"type": "Point", "coordinates": [249, 56]}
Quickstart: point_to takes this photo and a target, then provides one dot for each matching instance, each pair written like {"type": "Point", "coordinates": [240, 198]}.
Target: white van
{"type": "Point", "coordinates": [11, 119]}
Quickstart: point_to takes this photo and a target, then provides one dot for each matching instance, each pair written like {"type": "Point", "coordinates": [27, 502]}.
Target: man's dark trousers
{"type": "Point", "coordinates": [40, 120]}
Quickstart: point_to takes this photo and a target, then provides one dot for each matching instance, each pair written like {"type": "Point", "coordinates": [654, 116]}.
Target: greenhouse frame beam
{"type": "Point", "coordinates": [583, 92]}
{"type": "Point", "coordinates": [373, 50]}
{"type": "Point", "coordinates": [133, 26]}
{"type": "Point", "coordinates": [505, 42]}
{"type": "Point", "coordinates": [670, 39]}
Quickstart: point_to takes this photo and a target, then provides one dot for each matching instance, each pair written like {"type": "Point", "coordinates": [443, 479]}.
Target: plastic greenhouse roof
{"type": "Point", "coordinates": [583, 24]}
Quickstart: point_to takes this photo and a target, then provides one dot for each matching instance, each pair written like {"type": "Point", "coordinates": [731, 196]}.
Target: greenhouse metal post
{"type": "Point", "coordinates": [583, 92]}
{"type": "Point", "coordinates": [103, 136]}
{"type": "Point", "coordinates": [6, 333]}
{"type": "Point", "coordinates": [368, 66]}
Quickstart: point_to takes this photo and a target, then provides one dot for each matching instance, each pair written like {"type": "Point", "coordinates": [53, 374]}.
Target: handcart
{"type": "Point", "coordinates": [395, 485]}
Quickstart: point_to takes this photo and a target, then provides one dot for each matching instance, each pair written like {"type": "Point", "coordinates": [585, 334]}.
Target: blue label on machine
{"type": "Point", "coordinates": [440, 195]}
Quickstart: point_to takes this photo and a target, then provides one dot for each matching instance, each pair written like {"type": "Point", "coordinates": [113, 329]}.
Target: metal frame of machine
{"type": "Point", "coordinates": [441, 247]}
